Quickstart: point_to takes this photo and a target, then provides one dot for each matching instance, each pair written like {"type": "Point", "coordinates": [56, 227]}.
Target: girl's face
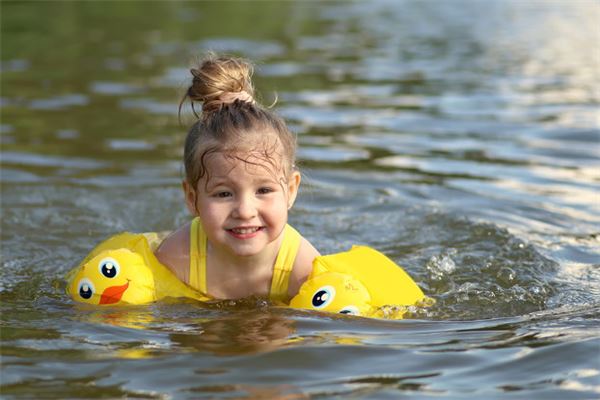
{"type": "Point", "coordinates": [243, 204]}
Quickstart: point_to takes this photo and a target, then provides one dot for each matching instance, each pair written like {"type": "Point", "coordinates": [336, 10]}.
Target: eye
{"type": "Point", "coordinates": [109, 267]}
{"type": "Point", "coordinates": [223, 195]}
{"type": "Point", "coordinates": [265, 190]}
{"type": "Point", "coordinates": [85, 288]}
{"type": "Point", "coordinates": [350, 310]}
{"type": "Point", "coordinates": [323, 296]}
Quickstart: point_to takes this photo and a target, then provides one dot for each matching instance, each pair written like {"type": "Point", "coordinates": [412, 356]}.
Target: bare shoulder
{"type": "Point", "coordinates": [302, 266]}
{"type": "Point", "coordinates": [174, 252]}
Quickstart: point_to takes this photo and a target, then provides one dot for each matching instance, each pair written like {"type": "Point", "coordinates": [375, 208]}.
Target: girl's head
{"type": "Point", "coordinates": [233, 125]}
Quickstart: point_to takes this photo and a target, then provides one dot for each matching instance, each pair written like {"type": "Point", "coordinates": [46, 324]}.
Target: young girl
{"type": "Point", "coordinates": [240, 182]}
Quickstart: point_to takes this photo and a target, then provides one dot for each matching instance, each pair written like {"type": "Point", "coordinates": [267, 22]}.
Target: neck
{"type": "Point", "coordinates": [230, 276]}
{"type": "Point", "coordinates": [224, 260]}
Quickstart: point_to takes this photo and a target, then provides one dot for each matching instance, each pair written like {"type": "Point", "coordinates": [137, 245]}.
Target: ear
{"type": "Point", "coordinates": [293, 185]}
{"type": "Point", "coordinates": [190, 197]}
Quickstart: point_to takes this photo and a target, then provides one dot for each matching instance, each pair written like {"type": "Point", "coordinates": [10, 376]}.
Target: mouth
{"type": "Point", "coordinates": [113, 294]}
{"type": "Point", "coordinates": [245, 232]}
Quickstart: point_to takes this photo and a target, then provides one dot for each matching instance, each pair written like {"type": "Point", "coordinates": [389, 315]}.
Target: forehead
{"type": "Point", "coordinates": [255, 162]}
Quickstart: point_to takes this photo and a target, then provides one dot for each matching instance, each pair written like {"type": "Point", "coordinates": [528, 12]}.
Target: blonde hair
{"type": "Point", "coordinates": [232, 122]}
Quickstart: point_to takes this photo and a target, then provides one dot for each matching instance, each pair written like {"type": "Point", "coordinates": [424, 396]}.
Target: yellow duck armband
{"type": "Point", "coordinates": [361, 281]}
{"type": "Point", "coordinates": [123, 270]}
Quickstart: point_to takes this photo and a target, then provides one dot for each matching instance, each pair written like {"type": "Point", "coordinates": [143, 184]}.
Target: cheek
{"type": "Point", "coordinates": [210, 212]}
{"type": "Point", "coordinates": [276, 207]}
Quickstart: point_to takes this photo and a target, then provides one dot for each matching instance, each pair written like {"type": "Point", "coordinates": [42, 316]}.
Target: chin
{"type": "Point", "coordinates": [248, 250]}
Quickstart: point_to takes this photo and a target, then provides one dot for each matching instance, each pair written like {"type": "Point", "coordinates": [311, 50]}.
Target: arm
{"type": "Point", "coordinates": [174, 253]}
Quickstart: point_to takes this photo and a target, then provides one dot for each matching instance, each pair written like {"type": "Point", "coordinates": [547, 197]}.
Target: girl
{"type": "Point", "coordinates": [240, 182]}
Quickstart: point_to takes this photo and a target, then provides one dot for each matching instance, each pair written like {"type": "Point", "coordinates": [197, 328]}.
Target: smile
{"type": "Point", "coordinates": [113, 294]}
{"type": "Point", "coordinates": [245, 232]}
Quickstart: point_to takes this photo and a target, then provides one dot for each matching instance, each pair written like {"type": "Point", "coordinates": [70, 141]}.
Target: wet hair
{"type": "Point", "coordinates": [231, 121]}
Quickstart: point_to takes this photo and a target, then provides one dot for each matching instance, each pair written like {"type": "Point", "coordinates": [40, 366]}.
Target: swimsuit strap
{"type": "Point", "coordinates": [281, 271]}
{"type": "Point", "coordinates": [198, 256]}
{"type": "Point", "coordinates": [284, 264]}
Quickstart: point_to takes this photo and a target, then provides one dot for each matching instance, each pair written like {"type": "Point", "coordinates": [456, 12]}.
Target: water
{"type": "Point", "coordinates": [462, 139]}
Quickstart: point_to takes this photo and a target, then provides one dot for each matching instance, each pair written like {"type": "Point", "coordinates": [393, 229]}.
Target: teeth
{"type": "Point", "coordinates": [244, 231]}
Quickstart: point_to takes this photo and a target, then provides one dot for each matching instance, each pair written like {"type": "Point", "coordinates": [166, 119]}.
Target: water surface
{"type": "Point", "coordinates": [462, 139]}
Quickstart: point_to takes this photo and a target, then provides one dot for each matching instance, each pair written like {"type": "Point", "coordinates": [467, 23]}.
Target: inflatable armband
{"type": "Point", "coordinates": [361, 281]}
{"type": "Point", "coordinates": [124, 270]}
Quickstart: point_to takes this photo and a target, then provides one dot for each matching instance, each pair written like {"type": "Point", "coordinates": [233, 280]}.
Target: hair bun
{"type": "Point", "coordinates": [230, 97]}
{"type": "Point", "coordinates": [221, 80]}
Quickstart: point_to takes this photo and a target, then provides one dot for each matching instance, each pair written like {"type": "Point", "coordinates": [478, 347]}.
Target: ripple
{"type": "Point", "coordinates": [250, 48]}
{"type": "Point", "coordinates": [39, 160]}
{"type": "Point", "coordinates": [130, 144]}
{"type": "Point", "coordinates": [6, 128]}
{"type": "Point", "coordinates": [17, 176]}
{"type": "Point", "coordinates": [15, 65]}
{"type": "Point", "coordinates": [67, 134]}
{"type": "Point", "coordinates": [332, 154]}
{"type": "Point", "coordinates": [59, 102]}
{"type": "Point", "coordinates": [174, 77]}
{"type": "Point", "coordinates": [113, 88]}
{"type": "Point", "coordinates": [151, 106]}
{"type": "Point", "coordinates": [333, 117]}
{"type": "Point", "coordinates": [283, 69]}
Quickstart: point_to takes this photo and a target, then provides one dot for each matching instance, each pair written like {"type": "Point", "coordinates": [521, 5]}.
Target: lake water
{"type": "Point", "coordinates": [461, 138]}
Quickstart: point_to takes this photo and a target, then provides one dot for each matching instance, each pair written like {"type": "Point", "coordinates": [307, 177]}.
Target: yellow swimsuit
{"type": "Point", "coordinates": [281, 271]}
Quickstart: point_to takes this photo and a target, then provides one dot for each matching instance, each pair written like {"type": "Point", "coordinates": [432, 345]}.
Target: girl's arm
{"type": "Point", "coordinates": [174, 253]}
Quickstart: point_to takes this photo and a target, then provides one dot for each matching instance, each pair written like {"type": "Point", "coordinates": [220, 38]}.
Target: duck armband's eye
{"type": "Point", "coordinates": [109, 267]}
{"type": "Point", "coordinates": [323, 296]}
{"type": "Point", "coordinates": [85, 289]}
{"type": "Point", "coordinates": [350, 310]}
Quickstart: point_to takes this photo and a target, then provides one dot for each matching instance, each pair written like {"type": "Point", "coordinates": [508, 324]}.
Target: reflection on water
{"type": "Point", "coordinates": [238, 334]}
{"type": "Point", "coordinates": [459, 138]}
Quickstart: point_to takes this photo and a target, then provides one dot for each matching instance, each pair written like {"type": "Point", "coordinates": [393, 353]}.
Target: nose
{"type": "Point", "coordinates": [245, 208]}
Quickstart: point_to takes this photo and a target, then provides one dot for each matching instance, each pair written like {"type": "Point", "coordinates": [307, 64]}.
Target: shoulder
{"type": "Point", "coordinates": [174, 252]}
{"type": "Point", "coordinates": [302, 266]}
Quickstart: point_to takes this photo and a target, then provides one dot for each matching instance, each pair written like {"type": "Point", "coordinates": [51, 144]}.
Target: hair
{"type": "Point", "coordinates": [232, 122]}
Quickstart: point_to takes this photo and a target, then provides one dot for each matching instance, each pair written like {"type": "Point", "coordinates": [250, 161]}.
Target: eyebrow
{"type": "Point", "coordinates": [216, 181]}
